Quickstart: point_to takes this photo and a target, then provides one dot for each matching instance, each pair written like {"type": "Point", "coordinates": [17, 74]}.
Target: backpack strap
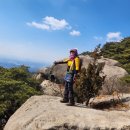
{"type": "Point", "coordinates": [72, 65]}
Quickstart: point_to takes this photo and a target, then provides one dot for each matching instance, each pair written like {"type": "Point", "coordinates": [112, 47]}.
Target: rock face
{"type": "Point", "coordinates": [47, 113]}
{"type": "Point", "coordinates": [111, 68]}
{"type": "Point", "coordinates": [51, 88]}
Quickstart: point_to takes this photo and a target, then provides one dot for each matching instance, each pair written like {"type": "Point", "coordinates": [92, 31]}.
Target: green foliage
{"type": "Point", "coordinates": [121, 52]}
{"type": "Point", "coordinates": [16, 86]}
{"type": "Point", "coordinates": [85, 53]}
{"type": "Point", "coordinates": [89, 82]}
{"type": "Point", "coordinates": [126, 79]}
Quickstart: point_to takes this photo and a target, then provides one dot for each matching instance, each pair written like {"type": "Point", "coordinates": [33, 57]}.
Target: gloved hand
{"type": "Point", "coordinates": [55, 63]}
{"type": "Point", "coordinates": [58, 62]}
{"type": "Point", "coordinates": [74, 78]}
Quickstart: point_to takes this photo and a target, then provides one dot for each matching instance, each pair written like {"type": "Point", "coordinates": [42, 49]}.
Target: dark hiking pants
{"type": "Point", "coordinates": [68, 92]}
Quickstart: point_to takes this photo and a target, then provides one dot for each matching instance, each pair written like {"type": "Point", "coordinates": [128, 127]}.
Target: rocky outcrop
{"type": "Point", "coordinates": [47, 113]}
{"type": "Point", "coordinates": [111, 68]}
{"type": "Point", "coordinates": [51, 88]}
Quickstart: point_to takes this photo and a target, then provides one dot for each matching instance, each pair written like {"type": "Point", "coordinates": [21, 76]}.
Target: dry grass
{"type": "Point", "coordinates": [116, 101]}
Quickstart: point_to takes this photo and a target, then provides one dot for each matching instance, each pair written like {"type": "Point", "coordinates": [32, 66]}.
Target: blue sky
{"type": "Point", "coordinates": [44, 30]}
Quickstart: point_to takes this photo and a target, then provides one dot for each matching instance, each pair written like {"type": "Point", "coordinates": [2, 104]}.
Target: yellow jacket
{"type": "Point", "coordinates": [73, 64]}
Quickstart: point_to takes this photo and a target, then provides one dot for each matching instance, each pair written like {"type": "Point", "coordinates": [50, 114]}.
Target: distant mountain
{"type": "Point", "coordinates": [33, 66]}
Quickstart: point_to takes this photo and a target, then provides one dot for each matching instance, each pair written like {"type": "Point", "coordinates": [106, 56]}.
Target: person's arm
{"type": "Point", "coordinates": [77, 64]}
{"type": "Point", "coordinates": [77, 67]}
{"type": "Point", "coordinates": [61, 62]}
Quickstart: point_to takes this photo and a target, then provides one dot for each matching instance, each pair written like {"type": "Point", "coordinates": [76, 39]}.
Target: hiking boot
{"type": "Point", "coordinates": [64, 101]}
{"type": "Point", "coordinates": [71, 104]}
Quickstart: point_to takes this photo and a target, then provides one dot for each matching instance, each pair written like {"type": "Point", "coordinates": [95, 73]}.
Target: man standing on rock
{"type": "Point", "coordinates": [73, 68]}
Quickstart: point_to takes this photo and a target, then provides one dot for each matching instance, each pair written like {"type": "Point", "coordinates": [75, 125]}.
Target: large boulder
{"type": "Point", "coordinates": [111, 68]}
{"type": "Point", "coordinates": [51, 88]}
{"type": "Point", "coordinates": [47, 113]}
{"type": "Point", "coordinates": [42, 73]}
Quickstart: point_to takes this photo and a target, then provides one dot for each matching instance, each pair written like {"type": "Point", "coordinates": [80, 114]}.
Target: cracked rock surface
{"type": "Point", "coordinates": [47, 113]}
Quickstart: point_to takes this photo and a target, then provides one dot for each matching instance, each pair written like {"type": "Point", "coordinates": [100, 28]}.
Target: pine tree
{"type": "Point", "coordinates": [89, 81]}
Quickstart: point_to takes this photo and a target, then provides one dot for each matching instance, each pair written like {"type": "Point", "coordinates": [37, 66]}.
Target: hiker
{"type": "Point", "coordinates": [73, 68]}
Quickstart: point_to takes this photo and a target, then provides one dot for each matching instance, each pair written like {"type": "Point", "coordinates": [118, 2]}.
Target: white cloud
{"type": "Point", "coordinates": [75, 33]}
{"type": "Point", "coordinates": [98, 38]}
{"type": "Point", "coordinates": [39, 25]}
{"type": "Point", "coordinates": [55, 24]}
{"type": "Point", "coordinates": [51, 23]}
{"type": "Point", "coordinates": [114, 36]}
